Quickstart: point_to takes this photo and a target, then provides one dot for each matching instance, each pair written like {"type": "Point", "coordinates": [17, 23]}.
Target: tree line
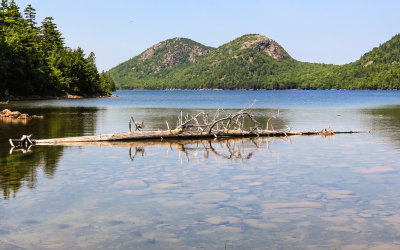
{"type": "Point", "coordinates": [35, 61]}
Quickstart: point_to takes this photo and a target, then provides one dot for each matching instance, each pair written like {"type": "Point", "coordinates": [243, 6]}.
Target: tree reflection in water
{"type": "Point", "coordinates": [19, 167]}
{"type": "Point", "coordinates": [385, 122]}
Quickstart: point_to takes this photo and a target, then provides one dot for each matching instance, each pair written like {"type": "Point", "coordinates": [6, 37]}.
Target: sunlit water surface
{"type": "Point", "coordinates": [282, 193]}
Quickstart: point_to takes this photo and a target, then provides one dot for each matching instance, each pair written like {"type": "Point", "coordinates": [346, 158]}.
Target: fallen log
{"type": "Point", "coordinates": [177, 134]}
{"type": "Point", "coordinates": [199, 126]}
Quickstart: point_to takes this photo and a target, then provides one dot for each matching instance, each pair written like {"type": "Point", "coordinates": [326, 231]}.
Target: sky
{"type": "Point", "coordinates": [323, 31]}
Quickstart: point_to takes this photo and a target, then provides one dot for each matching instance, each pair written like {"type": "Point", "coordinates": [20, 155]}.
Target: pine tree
{"type": "Point", "coordinates": [51, 38]}
{"type": "Point", "coordinates": [30, 16]}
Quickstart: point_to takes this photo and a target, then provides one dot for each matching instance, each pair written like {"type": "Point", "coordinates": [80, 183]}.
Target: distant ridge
{"type": "Point", "coordinates": [252, 61]}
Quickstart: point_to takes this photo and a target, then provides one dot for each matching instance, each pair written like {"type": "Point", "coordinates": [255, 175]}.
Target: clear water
{"type": "Point", "coordinates": [282, 193]}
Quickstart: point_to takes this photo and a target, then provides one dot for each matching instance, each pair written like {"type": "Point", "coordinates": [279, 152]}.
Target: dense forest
{"type": "Point", "coordinates": [253, 62]}
{"type": "Point", "coordinates": [35, 61]}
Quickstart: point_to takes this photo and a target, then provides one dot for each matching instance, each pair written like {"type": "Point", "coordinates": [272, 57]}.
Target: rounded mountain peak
{"type": "Point", "coordinates": [262, 43]}
{"type": "Point", "coordinates": [172, 50]}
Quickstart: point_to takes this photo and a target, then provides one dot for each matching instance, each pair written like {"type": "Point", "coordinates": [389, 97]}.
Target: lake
{"type": "Point", "coordinates": [304, 192]}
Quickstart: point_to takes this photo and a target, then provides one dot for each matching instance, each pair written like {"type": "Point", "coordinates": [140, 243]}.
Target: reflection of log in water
{"type": "Point", "coordinates": [226, 148]}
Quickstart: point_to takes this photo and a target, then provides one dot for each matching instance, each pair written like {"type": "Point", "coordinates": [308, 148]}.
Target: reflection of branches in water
{"type": "Point", "coordinates": [139, 150]}
{"type": "Point", "coordinates": [24, 150]}
{"type": "Point", "coordinates": [228, 148]}
{"type": "Point", "coordinates": [234, 150]}
{"type": "Point", "coordinates": [225, 148]}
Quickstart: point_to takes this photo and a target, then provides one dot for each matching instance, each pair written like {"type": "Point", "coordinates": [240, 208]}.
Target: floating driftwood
{"type": "Point", "coordinates": [199, 126]}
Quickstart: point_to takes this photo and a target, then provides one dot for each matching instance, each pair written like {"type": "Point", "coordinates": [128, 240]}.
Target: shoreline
{"type": "Point", "coordinates": [37, 97]}
{"type": "Point", "coordinates": [257, 89]}
{"type": "Point", "coordinates": [68, 96]}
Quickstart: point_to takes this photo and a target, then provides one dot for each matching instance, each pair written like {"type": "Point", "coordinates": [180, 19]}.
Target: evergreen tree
{"type": "Point", "coordinates": [30, 16]}
{"type": "Point", "coordinates": [51, 38]}
{"type": "Point", "coordinates": [34, 60]}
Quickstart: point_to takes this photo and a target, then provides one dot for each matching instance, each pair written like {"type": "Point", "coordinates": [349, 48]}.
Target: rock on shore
{"type": "Point", "coordinates": [17, 115]}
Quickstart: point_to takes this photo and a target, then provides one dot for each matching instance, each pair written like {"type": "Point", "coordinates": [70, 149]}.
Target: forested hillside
{"type": "Point", "coordinates": [257, 62]}
{"type": "Point", "coordinates": [35, 61]}
{"type": "Point", "coordinates": [248, 62]}
{"type": "Point", "coordinates": [377, 69]}
{"type": "Point", "coordinates": [158, 62]}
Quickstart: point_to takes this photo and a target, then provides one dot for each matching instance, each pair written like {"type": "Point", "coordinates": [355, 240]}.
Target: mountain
{"type": "Point", "coordinates": [253, 62]}
{"type": "Point", "coordinates": [158, 62]}
{"type": "Point", "coordinates": [248, 62]}
{"type": "Point", "coordinates": [234, 65]}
